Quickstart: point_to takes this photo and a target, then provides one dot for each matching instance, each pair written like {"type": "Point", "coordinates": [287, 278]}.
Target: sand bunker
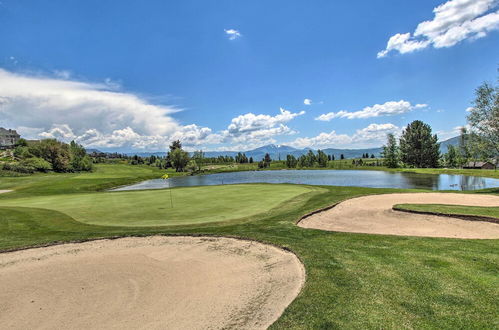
{"type": "Point", "coordinates": [148, 283]}
{"type": "Point", "coordinates": [4, 191]}
{"type": "Point", "coordinates": [374, 215]}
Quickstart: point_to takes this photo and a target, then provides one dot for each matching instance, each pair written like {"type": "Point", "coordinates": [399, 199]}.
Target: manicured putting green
{"type": "Point", "coordinates": [191, 205]}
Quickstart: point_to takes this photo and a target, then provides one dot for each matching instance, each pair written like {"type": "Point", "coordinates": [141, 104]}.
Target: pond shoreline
{"type": "Point", "coordinates": [360, 178]}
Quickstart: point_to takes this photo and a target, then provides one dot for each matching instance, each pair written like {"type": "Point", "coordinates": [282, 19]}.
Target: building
{"type": "Point", "coordinates": [8, 138]}
{"type": "Point", "coordinates": [479, 165]}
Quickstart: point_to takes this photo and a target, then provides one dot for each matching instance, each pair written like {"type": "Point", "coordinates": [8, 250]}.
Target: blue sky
{"type": "Point", "coordinates": [133, 75]}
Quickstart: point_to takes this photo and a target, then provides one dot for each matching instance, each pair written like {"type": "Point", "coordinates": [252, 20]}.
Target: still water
{"type": "Point", "coordinates": [373, 179]}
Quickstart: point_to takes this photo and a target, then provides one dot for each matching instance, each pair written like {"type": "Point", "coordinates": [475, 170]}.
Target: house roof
{"type": "Point", "coordinates": [4, 131]}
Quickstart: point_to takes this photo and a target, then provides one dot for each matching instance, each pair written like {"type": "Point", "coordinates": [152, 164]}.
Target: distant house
{"type": "Point", "coordinates": [8, 138]}
{"type": "Point", "coordinates": [479, 165]}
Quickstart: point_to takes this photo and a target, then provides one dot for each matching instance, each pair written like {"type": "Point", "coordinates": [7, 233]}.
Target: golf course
{"type": "Point", "coordinates": [353, 280]}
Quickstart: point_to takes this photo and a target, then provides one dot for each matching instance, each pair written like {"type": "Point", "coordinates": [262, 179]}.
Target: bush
{"type": "Point", "coordinates": [22, 152]}
{"type": "Point", "coordinates": [18, 167]}
{"type": "Point", "coordinates": [38, 164]}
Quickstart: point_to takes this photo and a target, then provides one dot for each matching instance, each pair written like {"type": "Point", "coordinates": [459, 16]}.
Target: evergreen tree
{"type": "Point", "coordinates": [321, 158]}
{"type": "Point", "coordinates": [310, 159]}
{"type": "Point", "coordinates": [391, 152]}
{"type": "Point", "coordinates": [451, 156]}
{"type": "Point", "coordinates": [418, 147]}
{"type": "Point", "coordinates": [267, 159]}
{"type": "Point", "coordinates": [291, 161]}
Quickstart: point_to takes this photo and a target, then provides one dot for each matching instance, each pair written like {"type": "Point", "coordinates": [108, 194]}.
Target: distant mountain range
{"type": "Point", "coordinates": [450, 142]}
{"type": "Point", "coordinates": [281, 151]}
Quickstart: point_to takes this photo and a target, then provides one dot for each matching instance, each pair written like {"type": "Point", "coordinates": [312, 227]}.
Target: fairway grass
{"type": "Point", "coordinates": [180, 206]}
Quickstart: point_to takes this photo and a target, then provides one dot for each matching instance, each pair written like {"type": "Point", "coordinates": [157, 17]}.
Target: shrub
{"type": "Point", "coordinates": [38, 164]}
{"type": "Point", "coordinates": [17, 167]}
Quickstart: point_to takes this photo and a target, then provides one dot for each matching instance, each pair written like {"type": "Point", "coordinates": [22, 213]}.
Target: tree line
{"type": "Point", "coordinates": [418, 147]}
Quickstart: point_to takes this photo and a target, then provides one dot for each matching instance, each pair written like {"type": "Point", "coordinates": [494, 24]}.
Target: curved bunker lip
{"type": "Point", "coordinates": [5, 191]}
{"type": "Point", "coordinates": [181, 281]}
{"type": "Point", "coordinates": [374, 214]}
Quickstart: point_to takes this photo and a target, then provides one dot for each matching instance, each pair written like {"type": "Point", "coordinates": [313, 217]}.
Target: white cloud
{"type": "Point", "coordinates": [373, 135]}
{"type": "Point", "coordinates": [386, 109]}
{"type": "Point", "coordinates": [469, 109]}
{"type": "Point", "coordinates": [63, 74]}
{"type": "Point", "coordinates": [251, 128]}
{"type": "Point", "coordinates": [307, 101]}
{"type": "Point", "coordinates": [454, 21]}
{"type": "Point", "coordinates": [91, 113]}
{"type": "Point", "coordinates": [59, 131]}
{"type": "Point", "coordinates": [251, 122]}
{"type": "Point", "coordinates": [99, 115]}
{"type": "Point", "coordinates": [447, 134]}
{"type": "Point", "coordinates": [233, 34]}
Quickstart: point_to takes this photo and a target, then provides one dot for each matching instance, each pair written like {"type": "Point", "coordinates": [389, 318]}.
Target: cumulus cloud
{"type": "Point", "coordinates": [250, 122]}
{"type": "Point", "coordinates": [386, 109]}
{"type": "Point", "coordinates": [99, 115]}
{"type": "Point", "coordinates": [447, 134]}
{"type": "Point", "coordinates": [307, 101]}
{"type": "Point", "coordinates": [258, 129]}
{"type": "Point", "coordinates": [373, 135]}
{"type": "Point", "coordinates": [91, 113]}
{"type": "Point", "coordinates": [232, 34]}
{"type": "Point", "coordinates": [454, 21]}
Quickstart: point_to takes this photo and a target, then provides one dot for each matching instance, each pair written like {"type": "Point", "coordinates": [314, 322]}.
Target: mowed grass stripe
{"type": "Point", "coordinates": [191, 205]}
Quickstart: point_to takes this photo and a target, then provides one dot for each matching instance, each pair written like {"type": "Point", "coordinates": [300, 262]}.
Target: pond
{"type": "Point", "coordinates": [372, 179]}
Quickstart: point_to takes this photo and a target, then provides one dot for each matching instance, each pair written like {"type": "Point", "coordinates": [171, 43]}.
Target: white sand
{"type": "Point", "coordinates": [148, 283]}
{"type": "Point", "coordinates": [374, 215]}
{"type": "Point", "coordinates": [4, 191]}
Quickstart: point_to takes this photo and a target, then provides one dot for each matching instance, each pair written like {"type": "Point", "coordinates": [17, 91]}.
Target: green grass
{"type": "Point", "coordinates": [480, 211]}
{"type": "Point", "coordinates": [104, 177]}
{"type": "Point", "coordinates": [192, 205]}
{"type": "Point", "coordinates": [354, 281]}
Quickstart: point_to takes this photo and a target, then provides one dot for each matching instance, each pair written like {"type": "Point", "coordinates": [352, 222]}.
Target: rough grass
{"type": "Point", "coordinates": [354, 281]}
{"type": "Point", "coordinates": [481, 211]}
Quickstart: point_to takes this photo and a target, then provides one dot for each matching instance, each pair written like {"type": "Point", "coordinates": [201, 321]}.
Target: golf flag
{"type": "Point", "coordinates": [164, 177]}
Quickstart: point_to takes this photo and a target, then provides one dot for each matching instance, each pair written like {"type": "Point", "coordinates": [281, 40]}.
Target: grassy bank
{"type": "Point", "coordinates": [353, 280]}
{"type": "Point", "coordinates": [478, 211]}
{"type": "Point", "coordinates": [104, 176]}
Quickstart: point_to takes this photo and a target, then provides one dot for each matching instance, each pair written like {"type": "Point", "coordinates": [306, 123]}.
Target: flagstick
{"type": "Point", "coordinates": [171, 198]}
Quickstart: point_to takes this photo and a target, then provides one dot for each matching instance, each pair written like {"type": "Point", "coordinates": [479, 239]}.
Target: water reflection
{"type": "Point", "coordinates": [373, 179]}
